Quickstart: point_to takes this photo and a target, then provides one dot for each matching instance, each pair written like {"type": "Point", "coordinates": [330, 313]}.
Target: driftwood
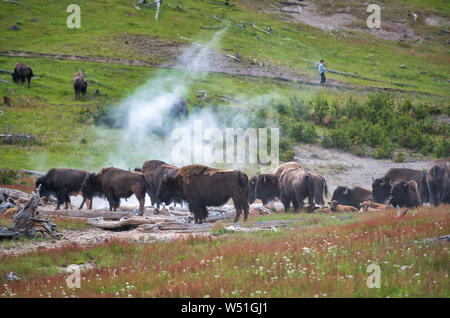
{"type": "Point", "coordinates": [33, 173]}
{"type": "Point", "coordinates": [126, 224]}
{"type": "Point", "coordinates": [233, 57]}
{"type": "Point", "coordinates": [5, 72]}
{"type": "Point", "coordinates": [27, 223]}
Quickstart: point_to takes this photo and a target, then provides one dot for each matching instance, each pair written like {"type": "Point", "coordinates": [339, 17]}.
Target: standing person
{"type": "Point", "coordinates": [322, 71]}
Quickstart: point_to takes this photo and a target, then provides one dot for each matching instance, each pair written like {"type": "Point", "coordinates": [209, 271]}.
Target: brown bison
{"type": "Point", "coordinates": [114, 184]}
{"type": "Point", "coordinates": [62, 183]}
{"type": "Point", "coordinates": [295, 186]}
{"type": "Point", "coordinates": [353, 197]}
{"type": "Point", "coordinates": [437, 181]}
{"type": "Point", "coordinates": [21, 73]}
{"type": "Point", "coordinates": [148, 169]}
{"type": "Point", "coordinates": [336, 207]}
{"type": "Point", "coordinates": [79, 84]}
{"type": "Point", "coordinates": [320, 188]}
{"type": "Point", "coordinates": [267, 185]}
{"type": "Point", "coordinates": [201, 186]}
{"type": "Point", "coordinates": [404, 194]}
{"type": "Point", "coordinates": [157, 176]}
{"type": "Point", "coordinates": [252, 189]}
{"type": "Point", "coordinates": [381, 187]}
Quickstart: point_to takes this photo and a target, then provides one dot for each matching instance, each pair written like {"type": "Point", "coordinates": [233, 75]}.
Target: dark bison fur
{"type": "Point", "coordinates": [61, 183]}
{"type": "Point", "coordinates": [381, 187]}
{"type": "Point", "coordinates": [201, 186]}
{"type": "Point", "coordinates": [404, 194]}
{"type": "Point", "coordinates": [353, 196]}
{"type": "Point", "coordinates": [21, 73]}
{"type": "Point", "coordinates": [295, 186]}
{"type": "Point", "coordinates": [114, 184]}
{"type": "Point", "coordinates": [437, 177]}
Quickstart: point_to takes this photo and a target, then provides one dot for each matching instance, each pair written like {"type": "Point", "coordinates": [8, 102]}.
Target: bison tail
{"type": "Point", "coordinates": [243, 179]}
{"type": "Point", "coordinates": [325, 187]}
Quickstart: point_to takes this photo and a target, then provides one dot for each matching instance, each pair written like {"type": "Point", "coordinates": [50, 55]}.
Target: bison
{"type": "Point", "coordinates": [336, 207]}
{"type": "Point", "coordinates": [369, 205]}
{"type": "Point", "coordinates": [62, 182]}
{"type": "Point", "coordinates": [267, 185]}
{"type": "Point", "coordinates": [437, 180]}
{"type": "Point", "coordinates": [353, 197]}
{"type": "Point", "coordinates": [201, 186]}
{"type": "Point", "coordinates": [148, 169]}
{"type": "Point", "coordinates": [157, 176]}
{"type": "Point", "coordinates": [252, 189]}
{"type": "Point", "coordinates": [404, 194]}
{"type": "Point", "coordinates": [21, 73]}
{"type": "Point", "coordinates": [295, 186]}
{"type": "Point", "coordinates": [114, 184]}
{"type": "Point", "coordinates": [320, 188]}
{"type": "Point", "coordinates": [79, 84]}
{"type": "Point", "coordinates": [179, 108]}
{"type": "Point", "coordinates": [381, 187]}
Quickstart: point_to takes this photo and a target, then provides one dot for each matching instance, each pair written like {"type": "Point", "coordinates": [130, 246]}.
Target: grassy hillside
{"type": "Point", "coordinates": [116, 29]}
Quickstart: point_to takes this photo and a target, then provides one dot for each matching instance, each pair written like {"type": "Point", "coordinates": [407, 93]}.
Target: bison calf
{"type": "Point", "coordinates": [114, 184]}
{"type": "Point", "coordinates": [201, 186]}
{"type": "Point", "coordinates": [371, 206]}
{"type": "Point", "coordinates": [62, 183]}
{"type": "Point", "coordinates": [353, 196]}
{"type": "Point", "coordinates": [336, 207]}
{"type": "Point", "coordinates": [21, 73]}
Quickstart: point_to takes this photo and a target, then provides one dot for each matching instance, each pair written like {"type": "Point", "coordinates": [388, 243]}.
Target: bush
{"type": "Point", "coordinates": [8, 176]}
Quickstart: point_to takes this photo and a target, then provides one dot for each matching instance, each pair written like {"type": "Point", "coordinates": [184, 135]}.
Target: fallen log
{"type": "Point", "coordinates": [261, 30]}
{"type": "Point", "coordinates": [33, 173]}
{"type": "Point", "coordinates": [126, 224]}
{"type": "Point", "coordinates": [27, 223]}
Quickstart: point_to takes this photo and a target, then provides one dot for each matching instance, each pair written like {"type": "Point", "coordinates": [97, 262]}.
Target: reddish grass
{"type": "Point", "coordinates": [319, 261]}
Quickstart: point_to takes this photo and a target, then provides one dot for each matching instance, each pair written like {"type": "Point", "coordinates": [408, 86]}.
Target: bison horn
{"type": "Point", "coordinates": [264, 179]}
{"type": "Point", "coordinates": [346, 191]}
{"type": "Point", "coordinates": [165, 177]}
{"type": "Point", "coordinates": [382, 183]}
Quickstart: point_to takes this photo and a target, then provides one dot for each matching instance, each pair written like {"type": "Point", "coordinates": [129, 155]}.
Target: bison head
{"type": "Point", "coordinates": [15, 77]}
{"type": "Point", "coordinates": [169, 188]}
{"type": "Point", "coordinates": [381, 190]}
{"type": "Point", "coordinates": [333, 205]}
{"type": "Point", "coordinates": [252, 189]}
{"type": "Point", "coordinates": [40, 183]}
{"type": "Point", "coordinates": [404, 193]}
{"type": "Point", "coordinates": [267, 187]}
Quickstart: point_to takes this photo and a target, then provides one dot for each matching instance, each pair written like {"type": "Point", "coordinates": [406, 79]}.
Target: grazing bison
{"type": "Point", "coordinates": [114, 184]}
{"type": "Point", "coordinates": [179, 108]}
{"type": "Point", "coordinates": [295, 186]}
{"type": "Point", "coordinates": [79, 84]}
{"type": "Point", "coordinates": [267, 184]}
{"type": "Point", "coordinates": [404, 194]}
{"type": "Point", "coordinates": [353, 197]}
{"type": "Point", "coordinates": [201, 186]}
{"type": "Point", "coordinates": [21, 73]}
{"type": "Point", "coordinates": [336, 207]}
{"type": "Point", "coordinates": [437, 181]}
{"type": "Point", "coordinates": [381, 187]}
{"type": "Point", "coordinates": [148, 169]}
{"type": "Point", "coordinates": [62, 183]}
{"type": "Point", "coordinates": [157, 176]}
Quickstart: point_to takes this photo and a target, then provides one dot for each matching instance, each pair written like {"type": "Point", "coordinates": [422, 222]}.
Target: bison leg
{"type": "Point", "coordinates": [28, 79]}
{"type": "Point", "coordinates": [286, 202]}
{"type": "Point", "coordinates": [141, 206]}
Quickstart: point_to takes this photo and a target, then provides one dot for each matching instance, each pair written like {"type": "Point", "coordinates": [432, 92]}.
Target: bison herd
{"type": "Point", "coordinates": [200, 186]}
